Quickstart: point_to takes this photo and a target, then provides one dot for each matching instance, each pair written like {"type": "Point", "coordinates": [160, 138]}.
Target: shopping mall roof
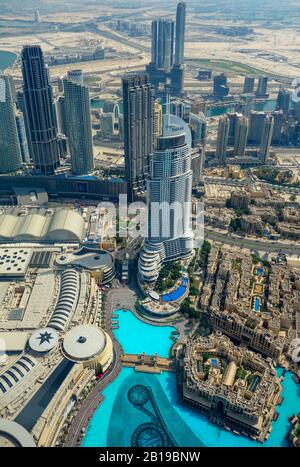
{"type": "Point", "coordinates": [16, 373]}
{"type": "Point", "coordinates": [14, 341]}
{"type": "Point", "coordinates": [86, 258]}
{"type": "Point", "coordinates": [14, 261]}
{"type": "Point", "coordinates": [43, 340]}
{"type": "Point", "coordinates": [84, 342]}
{"type": "Point", "coordinates": [67, 300]}
{"type": "Point", "coordinates": [14, 435]}
{"type": "Point", "coordinates": [59, 225]}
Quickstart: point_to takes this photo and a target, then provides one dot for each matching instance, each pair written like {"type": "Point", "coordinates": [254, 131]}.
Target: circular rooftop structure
{"type": "Point", "coordinates": [14, 435]}
{"type": "Point", "coordinates": [84, 342]}
{"type": "Point", "coordinates": [43, 340]}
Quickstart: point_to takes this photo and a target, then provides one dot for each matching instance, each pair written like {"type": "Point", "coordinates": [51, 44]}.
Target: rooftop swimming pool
{"type": "Point", "coordinates": [121, 420]}
{"type": "Point", "coordinates": [178, 293]}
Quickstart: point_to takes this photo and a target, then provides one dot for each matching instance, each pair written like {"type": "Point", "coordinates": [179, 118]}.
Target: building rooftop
{"type": "Point", "coordinates": [43, 340]}
{"type": "Point", "coordinates": [14, 341]}
{"type": "Point", "coordinates": [84, 342]}
{"type": "Point", "coordinates": [23, 225]}
{"type": "Point", "coordinates": [14, 435]}
{"type": "Point", "coordinates": [14, 261]}
{"type": "Point", "coordinates": [87, 258]}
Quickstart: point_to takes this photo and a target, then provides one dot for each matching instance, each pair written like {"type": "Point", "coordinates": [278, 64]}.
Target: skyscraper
{"type": "Point", "coordinates": [138, 110]}
{"type": "Point", "coordinates": [40, 110]}
{"type": "Point", "coordinates": [234, 118]}
{"type": "Point", "coordinates": [22, 107]}
{"type": "Point", "coordinates": [255, 127]}
{"type": "Point", "coordinates": [240, 140]}
{"type": "Point", "coordinates": [249, 85]}
{"type": "Point", "coordinates": [266, 139]}
{"type": "Point", "coordinates": [61, 115]}
{"type": "Point", "coordinates": [166, 67]}
{"type": "Point", "coordinates": [220, 86]}
{"type": "Point", "coordinates": [177, 107]}
{"type": "Point", "coordinates": [277, 137]}
{"type": "Point", "coordinates": [157, 121]}
{"type": "Point", "coordinates": [169, 191]}
{"type": "Point", "coordinates": [180, 31]}
{"type": "Point", "coordinates": [222, 140]}
{"type": "Point", "coordinates": [245, 105]}
{"type": "Point", "coordinates": [198, 127]}
{"type": "Point", "coordinates": [283, 101]}
{"type": "Point", "coordinates": [262, 87]}
{"type": "Point", "coordinates": [78, 123]}
{"type": "Point", "coordinates": [162, 44]}
{"type": "Point", "coordinates": [10, 152]}
{"type": "Point", "coordinates": [22, 136]}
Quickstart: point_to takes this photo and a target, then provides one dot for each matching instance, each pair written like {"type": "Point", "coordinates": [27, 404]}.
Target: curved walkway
{"type": "Point", "coordinates": [94, 398]}
{"type": "Point", "coordinates": [92, 401]}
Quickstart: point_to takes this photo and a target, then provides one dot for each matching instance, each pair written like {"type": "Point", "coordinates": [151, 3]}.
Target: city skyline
{"type": "Point", "coordinates": [150, 227]}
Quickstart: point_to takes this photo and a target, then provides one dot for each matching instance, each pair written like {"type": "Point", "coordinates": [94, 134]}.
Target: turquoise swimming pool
{"type": "Point", "coordinates": [185, 426]}
{"type": "Point", "coordinates": [137, 337]}
{"type": "Point", "coordinates": [257, 304]}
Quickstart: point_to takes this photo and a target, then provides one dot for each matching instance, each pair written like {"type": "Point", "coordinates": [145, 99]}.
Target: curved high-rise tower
{"type": "Point", "coordinates": [169, 191]}
{"type": "Point", "coordinates": [40, 110]}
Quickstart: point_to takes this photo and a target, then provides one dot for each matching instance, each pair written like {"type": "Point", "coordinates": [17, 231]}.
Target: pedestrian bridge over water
{"type": "Point", "coordinates": [148, 363]}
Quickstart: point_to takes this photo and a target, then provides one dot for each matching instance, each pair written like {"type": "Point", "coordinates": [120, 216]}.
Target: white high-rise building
{"type": "Point", "coordinates": [169, 191]}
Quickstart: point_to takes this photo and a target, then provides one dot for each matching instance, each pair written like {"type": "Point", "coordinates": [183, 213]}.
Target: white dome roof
{"type": "Point", "coordinates": [84, 342]}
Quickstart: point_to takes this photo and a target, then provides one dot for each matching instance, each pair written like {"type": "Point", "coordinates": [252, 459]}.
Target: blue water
{"type": "Point", "coordinates": [137, 337]}
{"type": "Point", "coordinates": [257, 304]}
{"type": "Point", "coordinates": [254, 383]}
{"type": "Point", "coordinates": [259, 271]}
{"type": "Point", "coordinates": [7, 59]}
{"type": "Point", "coordinates": [209, 434]}
{"type": "Point", "coordinates": [214, 362]}
{"type": "Point", "coordinates": [264, 106]}
{"type": "Point", "coordinates": [176, 294]}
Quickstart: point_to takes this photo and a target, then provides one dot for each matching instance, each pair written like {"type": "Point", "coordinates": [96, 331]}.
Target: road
{"type": "Point", "coordinates": [254, 245]}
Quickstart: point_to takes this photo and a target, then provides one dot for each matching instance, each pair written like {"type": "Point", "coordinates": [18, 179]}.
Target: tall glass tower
{"type": "Point", "coordinates": [138, 103]}
{"type": "Point", "coordinates": [77, 111]}
{"type": "Point", "coordinates": [163, 44]}
{"type": "Point", "coordinates": [169, 192]}
{"type": "Point", "coordinates": [222, 140]}
{"type": "Point", "coordinates": [180, 31]}
{"type": "Point", "coordinates": [40, 110]}
{"type": "Point", "coordinates": [10, 151]}
{"type": "Point", "coordinates": [266, 139]}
